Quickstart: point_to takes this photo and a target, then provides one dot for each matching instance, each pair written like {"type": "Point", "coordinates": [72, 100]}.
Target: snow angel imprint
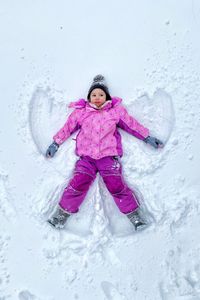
{"type": "Point", "coordinates": [98, 146]}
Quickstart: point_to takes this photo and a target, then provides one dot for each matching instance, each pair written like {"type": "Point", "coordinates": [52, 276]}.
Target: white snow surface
{"type": "Point", "coordinates": [149, 52]}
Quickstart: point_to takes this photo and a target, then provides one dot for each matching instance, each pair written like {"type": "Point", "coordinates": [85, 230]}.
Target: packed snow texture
{"type": "Point", "coordinates": [149, 53]}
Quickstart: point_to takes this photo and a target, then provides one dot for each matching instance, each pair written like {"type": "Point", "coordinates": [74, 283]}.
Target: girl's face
{"type": "Point", "coordinates": [98, 97]}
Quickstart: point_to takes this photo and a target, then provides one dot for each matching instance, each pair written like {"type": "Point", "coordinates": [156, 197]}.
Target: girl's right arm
{"type": "Point", "coordinates": [70, 126]}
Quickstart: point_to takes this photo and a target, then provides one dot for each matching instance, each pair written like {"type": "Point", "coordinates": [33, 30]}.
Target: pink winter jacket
{"type": "Point", "coordinates": [98, 134]}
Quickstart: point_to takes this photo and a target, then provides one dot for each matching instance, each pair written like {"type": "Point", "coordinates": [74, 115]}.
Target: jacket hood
{"type": "Point", "coordinates": [81, 103]}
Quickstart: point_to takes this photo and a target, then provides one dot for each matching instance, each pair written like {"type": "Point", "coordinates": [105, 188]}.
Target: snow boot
{"type": "Point", "coordinates": [59, 218]}
{"type": "Point", "coordinates": [136, 220]}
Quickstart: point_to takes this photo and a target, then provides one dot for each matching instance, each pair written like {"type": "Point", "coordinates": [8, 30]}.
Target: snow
{"type": "Point", "coordinates": [149, 54]}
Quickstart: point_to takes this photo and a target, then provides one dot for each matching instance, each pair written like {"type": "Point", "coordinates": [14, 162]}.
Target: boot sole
{"type": "Point", "coordinates": [55, 226]}
{"type": "Point", "coordinates": [52, 224]}
{"type": "Point", "coordinates": [141, 227]}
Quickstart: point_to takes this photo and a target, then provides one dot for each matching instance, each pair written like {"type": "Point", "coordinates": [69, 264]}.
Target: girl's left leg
{"type": "Point", "coordinates": [111, 171]}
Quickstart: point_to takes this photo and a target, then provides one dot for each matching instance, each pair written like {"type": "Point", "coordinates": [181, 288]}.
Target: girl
{"type": "Point", "coordinates": [98, 145]}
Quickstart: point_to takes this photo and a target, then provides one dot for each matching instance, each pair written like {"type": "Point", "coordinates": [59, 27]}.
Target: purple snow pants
{"type": "Point", "coordinates": [85, 172]}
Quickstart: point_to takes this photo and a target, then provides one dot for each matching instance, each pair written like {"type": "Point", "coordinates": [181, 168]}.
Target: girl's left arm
{"type": "Point", "coordinates": [131, 125]}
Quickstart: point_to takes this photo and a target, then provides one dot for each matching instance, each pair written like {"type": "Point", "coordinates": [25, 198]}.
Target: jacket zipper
{"type": "Point", "coordinates": [100, 130]}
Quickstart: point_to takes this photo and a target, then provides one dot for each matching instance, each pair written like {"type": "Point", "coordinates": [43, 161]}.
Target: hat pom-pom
{"type": "Point", "coordinates": [98, 77]}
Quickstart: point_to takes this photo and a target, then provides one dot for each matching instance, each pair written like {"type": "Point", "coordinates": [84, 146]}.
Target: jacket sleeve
{"type": "Point", "coordinates": [131, 125]}
{"type": "Point", "coordinates": [70, 126]}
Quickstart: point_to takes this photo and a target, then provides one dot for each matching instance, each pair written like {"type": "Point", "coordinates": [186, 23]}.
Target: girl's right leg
{"type": "Point", "coordinates": [76, 190]}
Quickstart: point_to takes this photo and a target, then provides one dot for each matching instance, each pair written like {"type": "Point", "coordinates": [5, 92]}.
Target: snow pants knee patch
{"type": "Point", "coordinates": [81, 182]}
{"type": "Point", "coordinates": [114, 184]}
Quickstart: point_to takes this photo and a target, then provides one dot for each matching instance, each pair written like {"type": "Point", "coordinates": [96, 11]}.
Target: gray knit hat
{"type": "Point", "coordinates": [99, 83]}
